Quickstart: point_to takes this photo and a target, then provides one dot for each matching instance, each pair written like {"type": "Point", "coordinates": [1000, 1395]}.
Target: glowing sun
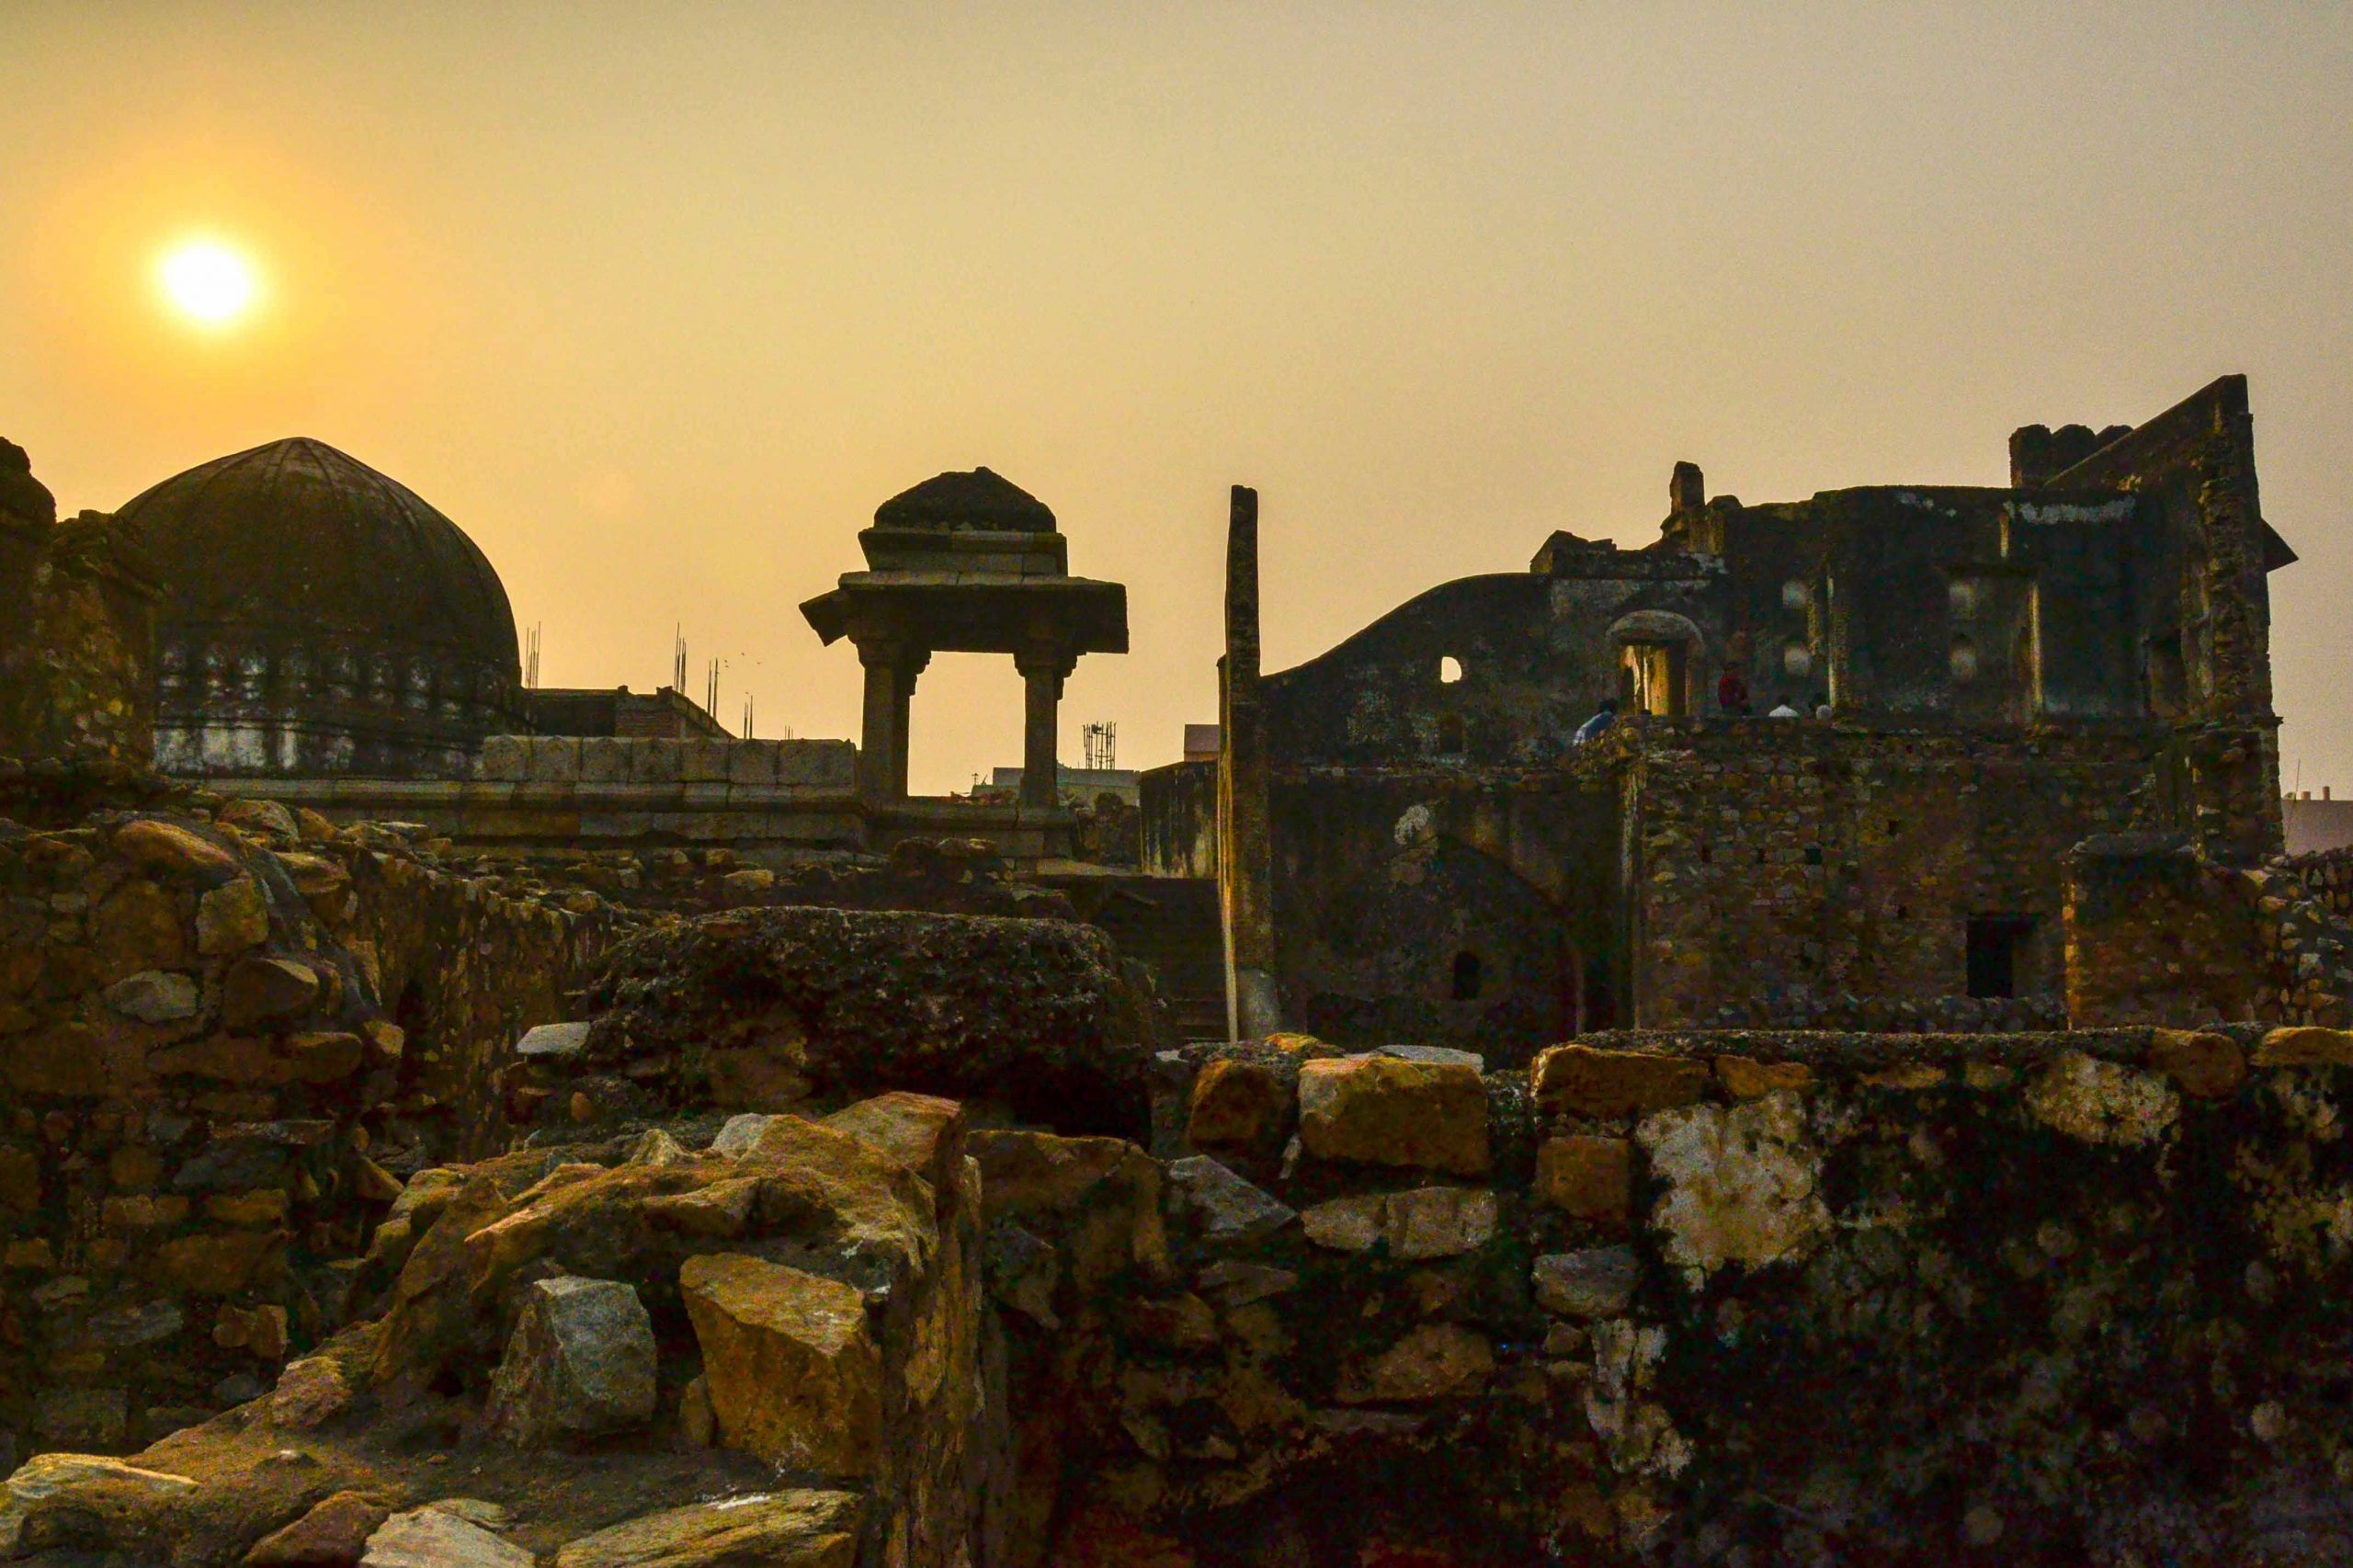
{"type": "Point", "coordinates": [206, 282]}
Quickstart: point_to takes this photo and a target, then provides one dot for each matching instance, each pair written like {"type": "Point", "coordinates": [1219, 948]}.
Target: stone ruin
{"type": "Point", "coordinates": [367, 1198]}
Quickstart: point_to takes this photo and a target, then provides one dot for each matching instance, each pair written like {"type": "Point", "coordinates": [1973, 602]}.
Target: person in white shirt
{"type": "Point", "coordinates": [1784, 710]}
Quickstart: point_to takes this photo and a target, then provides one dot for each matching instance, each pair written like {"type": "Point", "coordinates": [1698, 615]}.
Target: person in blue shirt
{"type": "Point", "coordinates": [1591, 729]}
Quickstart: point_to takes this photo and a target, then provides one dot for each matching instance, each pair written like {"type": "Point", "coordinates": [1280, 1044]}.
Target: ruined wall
{"type": "Point", "coordinates": [1734, 1298]}
{"type": "Point", "coordinates": [1806, 874]}
{"type": "Point", "coordinates": [206, 1095]}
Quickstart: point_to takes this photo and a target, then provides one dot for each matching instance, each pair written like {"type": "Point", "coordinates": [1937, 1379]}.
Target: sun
{"type": "Point", "coordinates": [208, 282]}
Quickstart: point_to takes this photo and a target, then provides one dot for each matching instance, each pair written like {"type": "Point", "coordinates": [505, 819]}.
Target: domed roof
{"type": "Point", "coordinates": [978, 500]}
{"type": "Point", "coordinates": [297, 540]}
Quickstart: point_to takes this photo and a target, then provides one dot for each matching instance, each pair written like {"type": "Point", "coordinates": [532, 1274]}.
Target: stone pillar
{"type": "Point", "coordinates": [883, 742]}
{"type": "Point", "coordinates": [1042, 672]}
{"type": "Point", "coordinates": [911, 663]}
{"type": "Point", "coordinates": [1246, 856]}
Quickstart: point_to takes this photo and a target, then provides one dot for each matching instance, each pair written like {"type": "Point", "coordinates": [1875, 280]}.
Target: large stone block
{"type": "Point", "coordinates": [256, 991]}
{"type": "Point", "coordinates": [795, 1377]}
{"type": "Point", "coordinates": [1384, 1111]}
{"type": "Point", "coordinates": [817, 765]}
{"type": "Point", "coordinates": [555, 759]}
{"type": "Point", "coordinates": [752, 762]}
{"type": "Point", "coordinates": [703, 761]}
{"type": "Point", "coordinates": [232, 918]}
{"type": "Point", "coordinates": [604, 759]}
{"type": "Point", "coordinates": [438, 1537]}
{"type": "Point", "coordinates": [580, 1363]}
{"type": "Point", "coordinates": [655, 760]}
{"type": "Point", "coordinates": [1579, 1079]}
{"type": "Point", "coordinates": [1588, 1178]}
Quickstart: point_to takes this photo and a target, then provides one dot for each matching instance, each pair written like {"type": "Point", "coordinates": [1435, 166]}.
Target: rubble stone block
{"type": "Point", "coordinates": [232, 918]}
{"type": "Point", "coordinates": [2308, 1047]}
{"type": "Point", "coordinates": [1238, 1103]}
{"type": "Point", "coordinates": [924, 1132]}
{"type": "Point", "coordinates": [1580, 1079]}
{"type": "Point", "coordinates": [1745, 1080]}
{"type": "Point", "coordinates": [784, 1530]}
{"type": "Point", "coordinates": [552, 1043]}
{"type": "Point", "coordinates": [333, 1533]}
{"type": "Point", "coordinates": [795, 1377]}
{"type": "Point", "coordinates": [1438, 1361]}
{"type": "Point", "coordinates": [580, 1362]}
{"type": "Point", "coordinates": [1587, 1178]}
{"type": "Point", "coordinates": [167, 847]}
{"type": "Point", "coordinates": [1228, 1211]}
{"type": "Point", "coordinates": [817, 765]}
{"type": "Point", "coordinates": [1439, 1221]}
{"type": "Point", "coordinates": [256, 991]}
{"type": "Point", "coordinates": [1595, 1283]}
{"type": "Point", "coordinates": [1384, 1111]}
{"type": "Point", "coordinates": [154, 996]}
{"type": "Point", "coordinates": [52, 1490]}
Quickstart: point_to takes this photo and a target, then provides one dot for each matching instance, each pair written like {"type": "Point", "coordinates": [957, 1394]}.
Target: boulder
{"type": "Point", "coordinates": [154, 996]}
{"type": "Point", "coordinates": [2202, 1065]}
{"type": "Point", "coordinates": [782, 1529]}
{"type": "Point", "coordinates": [580, 1363]}
{"type": "Point", "coordinates": [2305, 1047]}
{"type": "Point", "coordinates": [1238, 1105]}
{"type": "Point", "coordinates": [167, 847]}
{"type": "Point", "coordinates": [79, 1500]}
{"type": "Point", "coordinates": [795, 1377]}
{"type": "Point", "coordinates": [1381, 1110]}
{"type": "Point", "coordinates": [924, 1132]}
{"type": "Point", "coordinates": [232, 918]}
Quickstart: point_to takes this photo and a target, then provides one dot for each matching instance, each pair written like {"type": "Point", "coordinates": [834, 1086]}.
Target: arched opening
{"type": "Point", "coordinates": [1449, 670]}
{"type": "Point", "coordinates": [1466, 977]}
{"type": "Point", "coordinates": [1657, 651]}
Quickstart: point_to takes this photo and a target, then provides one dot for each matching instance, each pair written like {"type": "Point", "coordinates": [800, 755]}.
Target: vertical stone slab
{"type": "Point", "coordinates": [1246, 855]}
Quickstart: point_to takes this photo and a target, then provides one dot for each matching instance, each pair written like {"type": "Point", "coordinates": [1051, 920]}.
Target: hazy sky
{"type": "Point", "coordinates": [659, 301]}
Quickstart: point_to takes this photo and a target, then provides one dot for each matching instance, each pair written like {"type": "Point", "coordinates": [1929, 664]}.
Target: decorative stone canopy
{"type": "Point", "coordinates": [320, 616]}
{"type": "Point", "coordinates": [966, 562]}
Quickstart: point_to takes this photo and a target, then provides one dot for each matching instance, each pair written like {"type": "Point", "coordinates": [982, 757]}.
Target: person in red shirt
{"type": "Point", "coordinates": [1732, 692]}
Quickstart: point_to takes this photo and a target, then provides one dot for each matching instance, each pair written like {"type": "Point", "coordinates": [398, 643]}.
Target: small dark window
{"type": "Point", "coordinates": [1997, 944]}
{"type": "Point", "coordinates": [1466, 977]}
{"type": "Point", "coordinates": [1813, 853]}
{"type": "Point", "coordinates": [1904, 911]}
{"type": "Point", "coordinates": [1450, 736]}
{"type": "Point", "coordinates": [1706, 854]}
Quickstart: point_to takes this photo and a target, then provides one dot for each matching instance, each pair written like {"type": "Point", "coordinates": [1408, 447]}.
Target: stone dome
{"type": "Point", "coordinates": [320, 618]}
{"type": "Point", "coordinates": [957, 500]}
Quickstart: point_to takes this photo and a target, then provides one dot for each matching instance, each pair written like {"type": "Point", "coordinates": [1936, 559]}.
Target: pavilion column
{"type": "Point", "coordinates": [910, 664]}
{"type": "Point", "coordinates": [883, 744]}
{"type": "Point", "coordinates": [1042, 674]}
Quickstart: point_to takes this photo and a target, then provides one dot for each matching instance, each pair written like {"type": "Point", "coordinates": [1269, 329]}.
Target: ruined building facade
{"type": "Point", "coordinates": [1983, 679]}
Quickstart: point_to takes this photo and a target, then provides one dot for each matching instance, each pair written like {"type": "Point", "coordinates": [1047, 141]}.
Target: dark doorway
{"type": "Point", "coordinates": [1997, 954]}
{"type": "Point", "coordinates": [1466, 977]}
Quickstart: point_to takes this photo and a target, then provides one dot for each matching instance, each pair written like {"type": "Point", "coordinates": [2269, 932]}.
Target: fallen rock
{"type": "Point", "coordinates": [166, 846]}
{"type": "Point", "coordinates": [331, 1535]}
{"type": "Point", "coordinates": [580, 1362]}
{"type": "Point", "coordinates": [795, 1376]}
{"type": "Point", "coordinates": [552, 1043]}
{"type": "Point", "coordinates": [1436, 1360]}
{"type": "Point", "coordinates": [923, 1132]}
{"type": "Point", "coordinates": [309, 1391]}
{"type": "Point", "coordinates": [1227, 1211]}
{"type": "Point", "coordinates": [436, 1538]}
{"type": "Point", "coordinates": [740, 1133]}
{"type": "Point", "coordinates": [1385, 1111]}
{"type": "Point", "coordinates": [1595, 1283]}
{"type": "Point", "coordinates": [232, 918]}
{"type": "Point", "coordinates": [783, 1529]}
{"type": "Point", "coordinates": [1239, 1104]}
{"type": "Point", "coordinates": [2305, 1047]}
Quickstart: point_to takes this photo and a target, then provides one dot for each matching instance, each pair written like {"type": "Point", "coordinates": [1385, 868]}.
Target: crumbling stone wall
{"type": "Point", "coordinates": [206, 1098]}
{"type": "Point", "coordinates": [76, 630]}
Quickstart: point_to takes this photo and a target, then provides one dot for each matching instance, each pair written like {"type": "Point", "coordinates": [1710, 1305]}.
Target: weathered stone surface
{"type": "Point", "coordinates": [924, 1132]}
{"type": "Point", "coordinates": [257, 990]}
{"type": "Point", "coordinates": [62, 1499]}
{"type": "Point", "coordinates": [795, 1376]}
{"type": "Point", "coordinates": [1225, 1209]}
{"type": "Point", "coordinates": [1595, 1283]}
{"type": "Point", "coordinates": [331, 1535]}
{"type": "Point", "coordinates": [217, 1263]}
{"type": "Point", "coordinates": [2102, 1102]}
{"type": "Point", "coordinates": [1742, 1185]}
{"type": "Point", "coordinates": [785, 1530]}
{"type": "Point", "coordinates": [2305, 1047]}
{"type": "Point", "coordinates": [1588, 1178]}
{"type": "Point", "coordinates": [1384, 1111]}
{"type": "Point", "coordinates": [436, 1538]}
{"type": "Point", "coordinates": [580, 1363]}
{"type": "Point", "coordinates": [2202, 1065]}
{"type": "Point", "coordinates": [1747, 1080]}
{"type": "Point", "coordinates": [1238, 1103]}
{"type": "Point", "coordinates": [136, 927]}
{"type": "Point", "coordinates": [1589, 1082]}
{"type": "Point", "coordinates": [82, 1417]}
{"type": "Point", "coordinates": [309, 1393]}
{"type": "Point", "coordinates": [232, 918]}
{"type": "Point", "coordinates": [1352, 1224]}
{"type": "Point", "coordinates": [721, 1208]}
{"type": "Point", "coordinates": [740, 1133]}
{"type": "Point", "coordinates": [1438, 1360]}
{"type": "Point", "coordinates": [1235, 1283]}
{"type": "Point", "coordinates": [1101, 1196]}
{"type": "Point", "coordinates": [154, 996]}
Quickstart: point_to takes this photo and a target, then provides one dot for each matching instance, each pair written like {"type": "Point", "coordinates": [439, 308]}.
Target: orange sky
{"type": "Point", "coordinates": [659, 301]}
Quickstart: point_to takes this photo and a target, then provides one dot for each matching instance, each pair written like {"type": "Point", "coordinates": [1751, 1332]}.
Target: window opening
{"type": "Point", "coordinates": [1466, 977]}
{"type": "Point", "coordinates": [1997, 944]}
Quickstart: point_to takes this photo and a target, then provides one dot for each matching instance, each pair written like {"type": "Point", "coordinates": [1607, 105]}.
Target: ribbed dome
{"type": "Point", "coordinates": [298, 537]}
{"type": "Point", "coordinates": [319, 617]}
{"type": "Point", "coordinates": [979, 500]}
